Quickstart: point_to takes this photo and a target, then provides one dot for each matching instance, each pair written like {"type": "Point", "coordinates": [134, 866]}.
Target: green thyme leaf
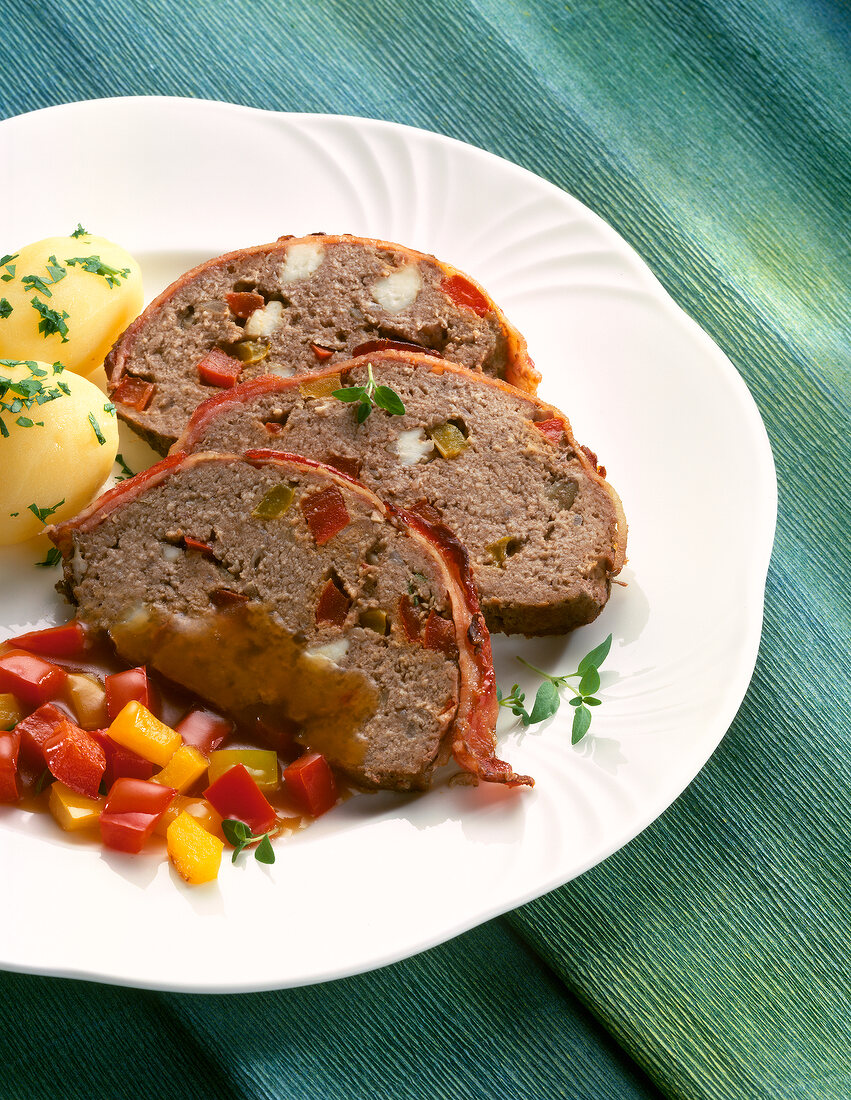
{"type": "Point", "coordinates": [546, 703]}
{"type": "Point", "coordinates": [101, 438]}
{"type": "Point", "coordinates": [96, 266]}
{"type": "Point", "coordinates": [383, 397]}
{"type": "Point", "coordinates": [590, 682]}
{"type": "Point", "coordinates": [52, 321]}
{"type": "Point", "coordinates": [80, 232]}
{"type": "Point", "coordinates": [264, 852]}
{"type": "Point", "coordinates": [54, 557]}
{"type": "Point", "coordinates": [596, 657]}
{"type": "Point", "coordinates": [5, 308]}
{"type": "Point", "coordinates": [238, 834]}
{"type": "Point", "coordinates": [581, 722]}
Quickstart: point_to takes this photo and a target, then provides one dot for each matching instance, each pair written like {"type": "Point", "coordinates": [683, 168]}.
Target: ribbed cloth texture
{"type": "Point", "coordinates": [709, 959]}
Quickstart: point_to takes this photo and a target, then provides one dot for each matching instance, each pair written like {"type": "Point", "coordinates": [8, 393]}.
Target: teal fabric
{"type": "Point", "coordinates": [709, 958]}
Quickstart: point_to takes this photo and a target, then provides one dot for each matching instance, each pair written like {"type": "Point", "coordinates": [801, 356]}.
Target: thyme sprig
{"type": "Point", "coordinates": [383, 397]}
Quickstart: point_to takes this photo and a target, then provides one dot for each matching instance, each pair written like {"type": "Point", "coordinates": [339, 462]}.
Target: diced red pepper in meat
{"type": "Point", "coordinates": [31, 679]}
{"type": "Point", "coordinates": [243, 303]}
{"type": "Point", "coordinates": [439, 634]}
{"type": "Point", "coordinates": [36, 729]}
{"type": "Point", "coordinates": [333, 605]}
{"type": "Point", "coordinates": [553, 429]}
{"type": "Point", "coordinates": [9, 746]}
{"type": "Point", "coordinates": [68, 640]}
{"type": "Point", "coordinates": [463, 293]}
{"type": "Point", "coordinates": [204, 729]}
{"type": "Point", "coordinates": [411, 622]}
{"type": "Point", "coordinates": [135, 393]}
{"type": "Point", "coordinates": [310, 782]}
{"type": "Point", "coordinates": [321, 353]}
{"type": "Point", "coordinates": [325, 512]}
{"type": "Point", "coordinates": [133, 807]}
{"type": "Point", "coordinates": [198, 546]}
{"type": "Point", "coordinates": [345, 465]}
{"type": "Point", "coordinates": [121, 763]}
{"type": "Point", "coordinates": [217, 368]}
{"type": "Point", "coordinates": [124, 687]}
{"type": "Point", "coordinates": [391, 345]}
{"type": "Point", "coordinates": [592, 458]}
{"type": "Point", "coordinates": [236, 795]}
{"type": "Point", "coordinates": [274, 427]}
{"type": "Point", "coordinates": [223, 598]}
{"type": "Point", "coordinates": [75, 758]}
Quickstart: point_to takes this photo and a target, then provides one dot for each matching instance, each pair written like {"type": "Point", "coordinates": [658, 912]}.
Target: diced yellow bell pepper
{"type": "Point", "coordinates": [87, 699]}
{"type": "Point", "coordinates": [199, 808]}
{"type": "Point", "coordinates": [11, 711]}
{"type": "Point", "coordinates": [195, 853]}
{"type": "Point", "coordinates": [320, 387]}
{"type": "Point", "coordinates": [137, 729]}
{"type": "Point", "coordinates": [261, 765]}
{"type": "Point", "coordinates": [74, 811]}
{"type": "Point", "coordinates": [185, 767]}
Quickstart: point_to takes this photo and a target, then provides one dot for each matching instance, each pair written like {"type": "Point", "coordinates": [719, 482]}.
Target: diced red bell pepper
{"type": "Point", "coordinates": [217, 368]}
{"type": "Point", "coordinates": [75, 758]}
{"type": "Point", "coordinates": [124, 687]}
{"type": "Point", "coordinates": [463, 293]}
{"type": "Point", "coordinates": [68, 640]}
{"type": "Point", "coordinates": [333, 605]}
{"type": "Point", "coordinates": [136, 393]}
{"type": "Point", "coordinates": [204, 729]}
{"type": "Point", "coordinates": [439, 634]}
{"type": "Point", "coordinates": [392, 345]}
{"type": "Point", "coordinates": [133, 807]}
{"type": "Point", "coordinates": [31, 679]}
{"type": "Point", "coordinates": [344, 464]}
{"type": "Point", "coordinates": [243, 303]}
{"type": "Point", "coordinates": [224, 598]}
{"type": "Point", "coordinates": [321, 353]}
{"type": "Point", "coordinates": [410, 620]}
{"type": "Point", "coordinates": [553, 429]}
{"type": "Point", "coordinates": [325, 512]}
{"type": "Point", "coordinates": [199, 547]}
{"type": "Point", "coordinates": [9, 746]}
{"type": "Point", "coordinates": [236, 795]}
{"type": "Point", "coordinates": [311, 783]}
{"type": "Point", "coordinates": [121, 763]}
{"type": "Point", "coordinates": [37, 729]}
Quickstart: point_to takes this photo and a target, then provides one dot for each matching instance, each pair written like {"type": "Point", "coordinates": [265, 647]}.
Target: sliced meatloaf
{"type": "Point", "coordinates": [544, 530]}
{"type": "Point", "coordinates": [281, 590]}
{"type": "Point", "coordinates": [294, 306]}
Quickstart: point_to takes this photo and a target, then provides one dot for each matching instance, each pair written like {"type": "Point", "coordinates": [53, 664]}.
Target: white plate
{"type": "Point", "coordinates": [382, 877]}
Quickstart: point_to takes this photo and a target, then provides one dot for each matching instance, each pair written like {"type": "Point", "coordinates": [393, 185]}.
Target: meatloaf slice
{"type": "Point", "coordinates": [276, 588]}
{"type": "Point", "coordinates": [544, 530]}
{"type": "Point", "coordinates": [294, 306]}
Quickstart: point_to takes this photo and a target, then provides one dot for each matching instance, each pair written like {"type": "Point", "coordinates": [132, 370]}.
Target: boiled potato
{"type": "Point", "coordinates": [53, 309]}
{"type": "Point", "coordinates": [51, 453]}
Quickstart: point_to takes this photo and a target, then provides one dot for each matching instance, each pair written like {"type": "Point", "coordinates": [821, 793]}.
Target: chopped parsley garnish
{"type": "Point", "coordinates": [109, 408]}
{"type": "Point", "coordinates": [240, 836]}
{"type": "Point", "coordinates": [80, 232]}
{"type": "Point", "coordinates": [5, 308]}
{"type": "Point", "coordinates": [54, 557]}
{"type": "Point", "coordinates": [36, 282]}
{"type": "Point", "coordinates": [96, 266]}
{"type": "Point", "coordinates": [101, 438]}
{"type": "Point", "coordinates": [19, 395]}
{"type": "Point", "coordinates": [58, 368]}
{"type": "Point", "coordinates": [52, 321]}
{"type": "Point", "coordinates": [64, 387]}
{"type": "Point", "coordinates": [383, 397]}
{"type": "Point", "coordinates": [548, 697]}
{"type": "Point", "coordinates": [44, 514]}
{"type": "Point", "coordinates": [6, 262]}
{"type": "Point", "coordinates": [125, 469]}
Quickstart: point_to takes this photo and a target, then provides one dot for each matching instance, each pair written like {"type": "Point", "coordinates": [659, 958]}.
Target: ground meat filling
{"type": "Point", "coordinates": [293, 307]}
{"type": "Point", "coordinates": [264, 588]}
{"type": "Point", "coordinates": [540, 526]}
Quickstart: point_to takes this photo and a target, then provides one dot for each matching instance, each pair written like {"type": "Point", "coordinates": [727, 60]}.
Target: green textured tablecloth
{"type": "Point", "coordinates": [710, 957]}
